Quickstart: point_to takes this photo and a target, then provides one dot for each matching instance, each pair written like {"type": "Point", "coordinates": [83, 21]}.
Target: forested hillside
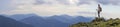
{"type": "Point", "coordinates": [99, 22]}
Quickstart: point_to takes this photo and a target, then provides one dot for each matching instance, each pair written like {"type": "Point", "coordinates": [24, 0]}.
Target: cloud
{"type": "Point", "coordinates": [56, 7]}
{"type": "Point", "coordinates": [65, 2]}
{"type": "Point", "coordinates": [47, 7]}
{"type": "Point", "coordinates": [105, 2]}
{"type": "Point", "coordinates": [16, 11]}
{"type": "Point", "coordinates": [6, 5]}
{"type": "Point", "coordinates": [50, 10]}
{"type": "Point", "coordinates": [79, 2]}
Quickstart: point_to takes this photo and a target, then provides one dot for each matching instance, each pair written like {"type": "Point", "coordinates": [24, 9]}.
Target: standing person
{"type": "Point", "coordinates": [99, 10]}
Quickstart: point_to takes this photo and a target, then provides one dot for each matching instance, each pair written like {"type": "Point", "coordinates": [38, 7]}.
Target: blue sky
{"type": "Point", "coordinates": [58, 7]}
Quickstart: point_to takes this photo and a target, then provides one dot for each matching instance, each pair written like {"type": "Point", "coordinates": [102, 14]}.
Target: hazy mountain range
{"type": "Point", "coordinates": [8, 22]}
{"type": "Point", "coordinates": [51, 21]}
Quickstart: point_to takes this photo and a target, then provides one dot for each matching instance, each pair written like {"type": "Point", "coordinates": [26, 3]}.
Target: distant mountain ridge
{"type": "Point", "coordinates": [21, 16]}
{"type": "Point", "coordinates": [8, 22]}
{"type": "Point", "coordinates": [51, 21]}
{"type": "Point", "coordinates": [40, 22]}
{"type": "Point", "coordinates": [55, 21]}
{"type": "Point", "coordinates": [70, 19]}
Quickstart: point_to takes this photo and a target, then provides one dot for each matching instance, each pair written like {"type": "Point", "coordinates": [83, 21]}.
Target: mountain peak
{"type": "Point", "coordinates": [21, 16]}
{"type": "Point", "coordinates": [8, 22]}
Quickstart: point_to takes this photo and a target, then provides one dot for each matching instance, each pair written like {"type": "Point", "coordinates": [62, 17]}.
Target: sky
{"type": "Point", "coordinates": [58, 7]}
